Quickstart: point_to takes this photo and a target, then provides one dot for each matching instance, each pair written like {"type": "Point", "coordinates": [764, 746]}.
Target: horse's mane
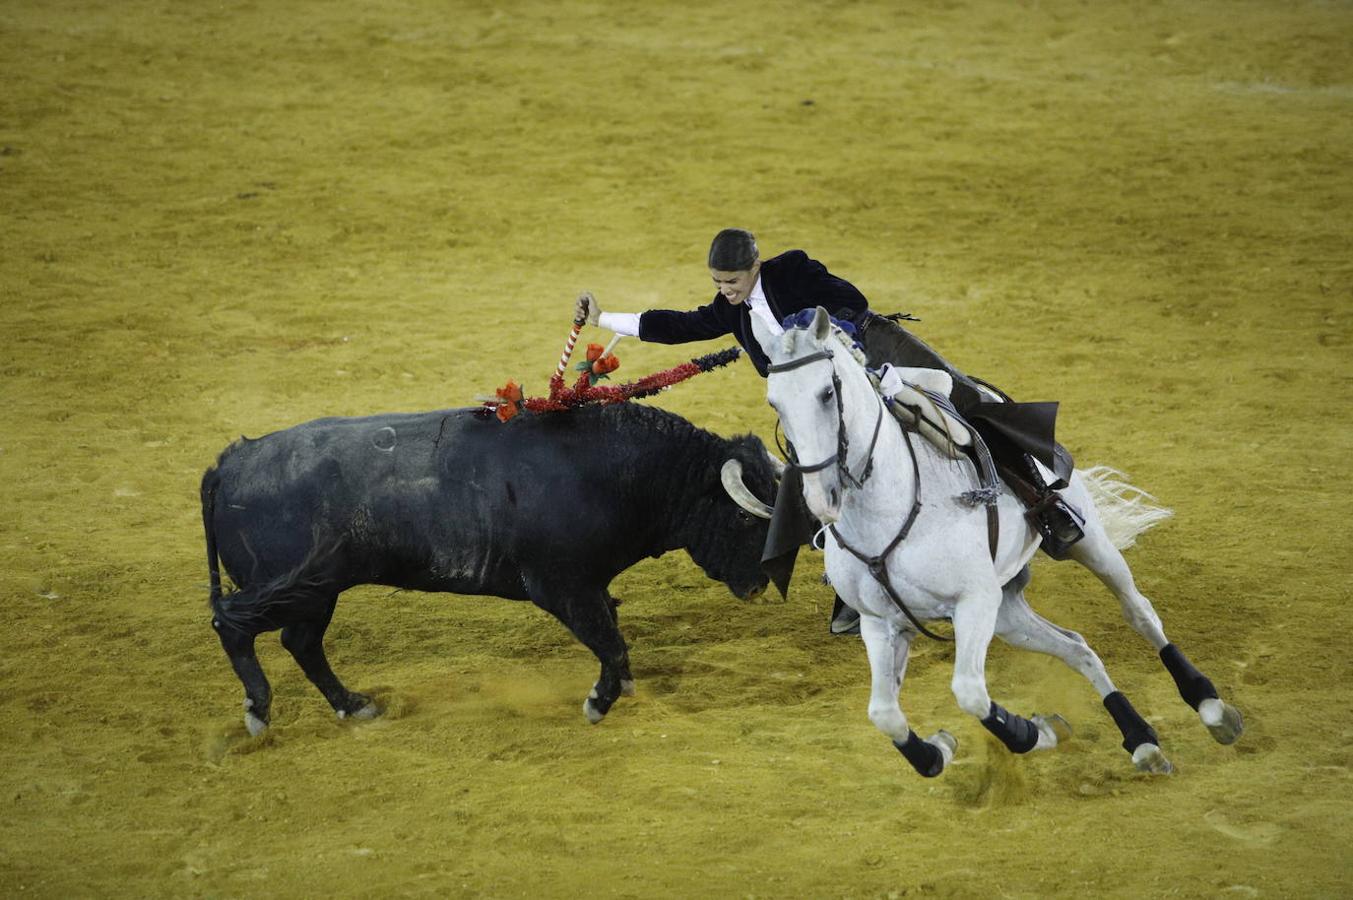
{"type": "Point", "coordinates": [793, 338]}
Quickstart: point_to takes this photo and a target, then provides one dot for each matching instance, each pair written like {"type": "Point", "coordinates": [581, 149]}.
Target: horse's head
{"type": "Point", "coordinates": [818, 386]}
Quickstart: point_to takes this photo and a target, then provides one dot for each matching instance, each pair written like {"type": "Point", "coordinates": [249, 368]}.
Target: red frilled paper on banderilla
{"type": "Point", "coordinates": [510, 401]}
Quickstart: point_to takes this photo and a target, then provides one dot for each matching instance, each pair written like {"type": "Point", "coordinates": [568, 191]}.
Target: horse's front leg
{"type": "Point", "coordinates": [974, 625]}
{"type": "Point", "coordinates": [887, 646]}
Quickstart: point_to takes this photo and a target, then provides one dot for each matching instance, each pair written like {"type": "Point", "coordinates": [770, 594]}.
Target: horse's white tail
{"type": "Point", "coordinates": [1124, 511]}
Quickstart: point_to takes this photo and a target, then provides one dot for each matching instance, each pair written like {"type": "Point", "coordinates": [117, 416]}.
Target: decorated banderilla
{"type": "Point", "coordinates": [509, 399]}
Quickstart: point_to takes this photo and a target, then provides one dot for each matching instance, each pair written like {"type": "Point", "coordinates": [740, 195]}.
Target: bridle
{"type": "Point", "coordinates": [877, 565]}
{"type": "Point", "coordinates": [841, 457]}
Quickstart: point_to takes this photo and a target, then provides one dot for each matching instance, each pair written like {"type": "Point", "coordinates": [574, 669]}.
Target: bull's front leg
{"type": "Point", "coordinates": [626, 677]}
{"type": "Point", "coordinates": [587, 611]}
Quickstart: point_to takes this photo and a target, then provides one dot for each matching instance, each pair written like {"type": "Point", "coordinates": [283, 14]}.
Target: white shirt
{"type": "Point", "coordinates": [756, 300]}
{"type": "Point", "coordinates": [628, 323]}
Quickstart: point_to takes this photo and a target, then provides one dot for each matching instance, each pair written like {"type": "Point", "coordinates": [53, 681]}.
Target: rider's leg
{"type": "Point", "coordinates": [887, 342]}
{"type": "Point", "coordinates": [1060, 525]}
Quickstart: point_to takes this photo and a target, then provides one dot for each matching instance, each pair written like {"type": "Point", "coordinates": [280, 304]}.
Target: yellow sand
{"type": "Point", "coordinates": [227, 218]}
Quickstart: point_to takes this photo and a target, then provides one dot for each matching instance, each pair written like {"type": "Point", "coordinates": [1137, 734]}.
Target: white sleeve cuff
{"type": "Point", "coordinates": [621, 323]}
{"type": "Point", "coordinates": [895, 378]}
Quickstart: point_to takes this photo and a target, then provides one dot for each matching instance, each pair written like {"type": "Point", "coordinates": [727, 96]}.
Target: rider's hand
{"type": "Point", "coordinates": [587, 308]}
{"type": "Point", "coordinates": [890, 380]}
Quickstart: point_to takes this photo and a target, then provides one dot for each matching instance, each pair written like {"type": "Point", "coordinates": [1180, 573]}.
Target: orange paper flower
{"type": "Point", "coordinates": [511, 397]}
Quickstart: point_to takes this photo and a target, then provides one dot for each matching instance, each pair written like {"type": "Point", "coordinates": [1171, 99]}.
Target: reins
{"type": "Point", "coordinates": [877, 565]}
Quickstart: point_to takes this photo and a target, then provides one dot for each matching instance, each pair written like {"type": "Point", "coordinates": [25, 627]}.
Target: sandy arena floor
{"type": "Point", "coordinates": [223, 219]}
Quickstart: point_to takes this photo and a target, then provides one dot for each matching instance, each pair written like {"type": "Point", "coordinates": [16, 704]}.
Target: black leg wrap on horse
{"type": "Point", "coordinates": [925, 758]}
{"type": "Point", "coordinates": [1134, 728]}
{"type": "Point", "coordinates": [1193, 685]}
{"type": "Point", "coordinates": [1016, 732]}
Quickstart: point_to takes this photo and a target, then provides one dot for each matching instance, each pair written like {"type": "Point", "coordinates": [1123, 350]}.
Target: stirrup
{"type": "Point", "coordinates": [1060, 526]}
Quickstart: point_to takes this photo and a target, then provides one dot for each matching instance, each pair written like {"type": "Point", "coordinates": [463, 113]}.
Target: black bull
{"type": "Point", "coordinates": [543, 508]}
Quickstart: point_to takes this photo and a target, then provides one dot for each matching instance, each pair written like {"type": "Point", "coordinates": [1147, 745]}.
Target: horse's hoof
{"type": "Point", "coordinates": [1148, 758]}
{"type": "Point", "coordinates": [627, 687]}
{"type": "Point", "coordinates": [593, 714]}
{"type": "Point", "coordinates": [946, 743]}
{"type": "Point", "coordinates": [1052, 730]}
{"type": "Point", "coordinates": [1224, 722]}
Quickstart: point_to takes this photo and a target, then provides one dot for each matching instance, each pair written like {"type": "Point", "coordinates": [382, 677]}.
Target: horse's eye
{"type": "Point", "coordinates": [826, 395]}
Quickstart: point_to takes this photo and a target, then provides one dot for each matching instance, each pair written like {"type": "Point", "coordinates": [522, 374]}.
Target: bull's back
{"type": "Point", "coordinates": [398, 499]}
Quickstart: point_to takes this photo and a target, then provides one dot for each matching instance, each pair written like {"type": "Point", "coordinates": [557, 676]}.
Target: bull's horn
{"type": "Point", "coordinates": [731, 475]}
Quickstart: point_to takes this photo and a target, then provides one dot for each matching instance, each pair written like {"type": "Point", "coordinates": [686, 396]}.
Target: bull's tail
{"type": "Point", "coordinates": [263, 605]}
{"type": "Point", "coordinates": [209, 484]}
{"type": "Point", "coordinates": [241, 609]}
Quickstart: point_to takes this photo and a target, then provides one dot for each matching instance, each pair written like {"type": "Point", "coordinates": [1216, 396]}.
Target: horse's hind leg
{"type": "Point", "coordinates": [304, 640]}
{"type": "Point", "coordinates": [1098, 554]}
{"type": "Point", "coordinates": [887, 646]}
{"type": "Point", "coordinates": [1019, 626]}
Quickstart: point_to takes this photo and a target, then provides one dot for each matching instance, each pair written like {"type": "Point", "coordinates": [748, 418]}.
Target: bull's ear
{"type": "Point", "coordinates": [761, 331]}
{"type": "Point", "coordinates": [822, 325]}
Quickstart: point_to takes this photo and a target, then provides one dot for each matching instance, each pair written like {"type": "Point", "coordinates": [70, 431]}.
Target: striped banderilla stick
{"type": "Point", "coordinates": [578, 324]}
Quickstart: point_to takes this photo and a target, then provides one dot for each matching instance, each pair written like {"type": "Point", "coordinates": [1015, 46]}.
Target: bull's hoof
{"type": "Point", "coordinates": [1052, 730]}
{"type": "Point", "coordinates": [1148, 758]}
{"type": "Point", "coordinates": [254, 723]}
{"type": "Point", "coordinates": [1224, 722]}
{"type": "Point", "coordinates": [359, 706]}
{"type": "Point", "coordinates": [594, 715]}
{"type": "Point", "coordinates": [369, 711]}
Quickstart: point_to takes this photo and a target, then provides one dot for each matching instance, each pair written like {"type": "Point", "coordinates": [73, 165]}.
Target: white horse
{"type": "Point", "coordinates": [904, 548]}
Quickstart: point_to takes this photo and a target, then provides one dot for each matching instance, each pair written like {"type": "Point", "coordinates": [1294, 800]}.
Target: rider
{"type": "Point", "coordinates": [773, 289]}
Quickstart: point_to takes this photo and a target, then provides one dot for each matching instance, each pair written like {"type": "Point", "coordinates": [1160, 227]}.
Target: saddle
{"type": "Point", "coordinates": [919, 399]}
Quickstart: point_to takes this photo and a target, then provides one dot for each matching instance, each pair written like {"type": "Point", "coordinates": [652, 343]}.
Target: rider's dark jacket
{"type": "Point", "coordinates": [791, 281]}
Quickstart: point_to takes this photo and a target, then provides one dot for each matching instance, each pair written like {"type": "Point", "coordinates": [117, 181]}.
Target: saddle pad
{"type": "Point", "coordinates": [906, 387]}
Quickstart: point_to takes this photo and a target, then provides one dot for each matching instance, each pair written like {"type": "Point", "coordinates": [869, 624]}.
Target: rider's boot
{"type": "Point", "coordinates": [1057, 522]}
{"type": "Point", "coordinates": [844, 619]}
